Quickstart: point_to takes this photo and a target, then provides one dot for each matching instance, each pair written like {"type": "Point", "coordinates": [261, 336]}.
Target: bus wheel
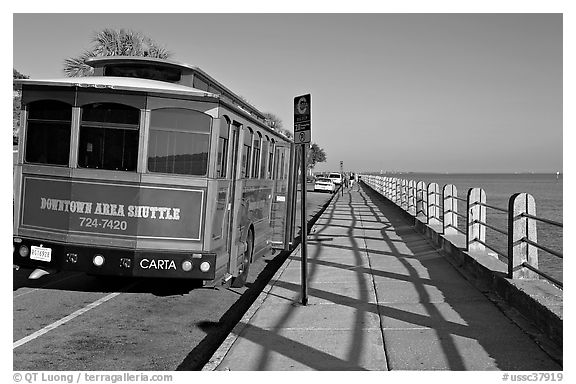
{"type": "Point", "coordinates": [240, 280]}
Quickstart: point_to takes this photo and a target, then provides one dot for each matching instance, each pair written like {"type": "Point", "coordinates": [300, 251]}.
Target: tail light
{"type": "Point", "coordinates": [24, 251]}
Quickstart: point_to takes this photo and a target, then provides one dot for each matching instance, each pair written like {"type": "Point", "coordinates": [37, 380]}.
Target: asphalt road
{"type": "Point", "coordinates": [71, 321]}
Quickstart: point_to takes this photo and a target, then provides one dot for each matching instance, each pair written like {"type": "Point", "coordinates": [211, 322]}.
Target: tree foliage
{"type": "Point", "coordinates": [16, 102]}
{"type": "Point", "coordinates": [18, 75]}
{"type": "Point", "coordinates": [114, 42]}
{"type": "Point", "coordinates": [275, 123]}
{"type": "Point", "coordinates": [315, 155]}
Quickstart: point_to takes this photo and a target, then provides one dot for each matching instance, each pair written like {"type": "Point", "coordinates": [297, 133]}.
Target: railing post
{"type": "Point", "coordinates": [383, 183]}
{"type": "Point", "coordinates": [450, 208]}
{"type": "Point", "coordinates": [520, 228]}
{"type": "Point", "coordinates": [476, 214]}
{"type": "Point", "coordinates": [433, 203]}
{"type": "Point", "coordinates": [421, 201]}
{"type": "Point", "coordinates": [412, 197]}
{"type": "Point", "coordinates": [398, 192]}
{"type": "Point", "coordinates": [404, 195]}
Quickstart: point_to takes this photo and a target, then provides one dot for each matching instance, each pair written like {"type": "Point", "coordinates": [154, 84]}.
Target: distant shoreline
{"type": "Point", "coordinates": [464, 173]}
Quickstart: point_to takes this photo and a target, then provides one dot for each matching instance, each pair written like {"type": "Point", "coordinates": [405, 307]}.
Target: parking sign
{"type": "Point", "coordinates": [302, 118]}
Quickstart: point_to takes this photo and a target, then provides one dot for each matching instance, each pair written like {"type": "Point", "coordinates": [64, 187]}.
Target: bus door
{"type": "Point", "coordinates": [283, 203]}
{"type": "Point", "coordinates": [234, 197]}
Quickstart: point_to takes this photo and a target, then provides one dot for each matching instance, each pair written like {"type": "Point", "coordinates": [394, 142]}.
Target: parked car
{"type": "Point", "coordinates": [324, 184]}
{"type": "Point", "coordinates": [336, 178]}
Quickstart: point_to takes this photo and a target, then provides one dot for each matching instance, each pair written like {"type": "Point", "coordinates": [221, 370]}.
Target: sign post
{"type": "Point", "coordinates": [342, 173]}
{"type": "Point", "coordinates": [302, 136]}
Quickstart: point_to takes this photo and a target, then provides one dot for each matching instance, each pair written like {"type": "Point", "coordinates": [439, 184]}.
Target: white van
{"type": "Point", "coordinates": [336, 178]}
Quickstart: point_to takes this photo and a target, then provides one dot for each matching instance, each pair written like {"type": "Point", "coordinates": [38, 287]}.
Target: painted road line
{"type": "Point", "coordinates": [66, 319]}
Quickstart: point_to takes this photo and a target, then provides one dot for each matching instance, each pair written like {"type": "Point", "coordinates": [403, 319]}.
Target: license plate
{"type": "Point", "coordinates": [41, 253]}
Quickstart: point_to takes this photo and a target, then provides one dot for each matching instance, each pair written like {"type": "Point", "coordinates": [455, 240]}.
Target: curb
{"type": "Point", "coordinates": [225, 347]}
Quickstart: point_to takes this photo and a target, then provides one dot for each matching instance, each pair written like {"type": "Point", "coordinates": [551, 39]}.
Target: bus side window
{"type": "Point", "coordinates": [279, 164]}
{"type": "Point", "coordinates": [179, 141]}
{"type": "Point", "coordinates": [256, 155]}
{"type": "Point", "coordinates": [282, 166]}
{"type": "Point", "coordinates": [109, 137]}
{"type": "Point", "coordinates": [271, 160]}
{"type": "Point", "coordinates": [246, 154]}
{"type": "Point", "coordinates": [222, 156]}
{"type": "Point", "coordinates": [48, 132]}
{"type": "Point", "coordinates": [264, 164]}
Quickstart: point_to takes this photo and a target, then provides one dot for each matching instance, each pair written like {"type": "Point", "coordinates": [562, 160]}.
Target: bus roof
{"type": "Point", "coordinates": [119, 83]}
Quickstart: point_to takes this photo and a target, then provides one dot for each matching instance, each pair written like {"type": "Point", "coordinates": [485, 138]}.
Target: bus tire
{"type": "Point", "coordinates": [240, 280]}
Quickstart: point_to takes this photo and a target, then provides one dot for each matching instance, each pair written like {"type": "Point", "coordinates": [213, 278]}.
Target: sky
{"type": "Point", "coordinates": [420, 92]}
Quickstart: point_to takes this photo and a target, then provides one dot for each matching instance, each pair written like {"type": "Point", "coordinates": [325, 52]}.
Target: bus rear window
{"type": "Point", "coordinates": [109, 137]}
{"type": "Point", "coordinates": [48, 132]}
{"type": "Point", "coordinates": [179, 141]}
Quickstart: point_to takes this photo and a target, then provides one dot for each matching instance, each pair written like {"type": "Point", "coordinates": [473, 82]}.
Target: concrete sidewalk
{"type": "Point", "coordinates": [380, 298]}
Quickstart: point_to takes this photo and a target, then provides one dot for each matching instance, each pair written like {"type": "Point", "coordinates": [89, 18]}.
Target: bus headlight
{"type": "Point", "coordinates": [186, 265]}
{"type": "Point", "coordinates": [205, 266]}
{"type": "Point", "coordinates": [98, 260]}
{"type": "Point", "coordinates": [24, 251]}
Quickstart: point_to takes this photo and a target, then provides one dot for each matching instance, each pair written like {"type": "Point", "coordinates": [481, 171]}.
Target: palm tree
{"type": "Point", "coordinates": [113, 42]}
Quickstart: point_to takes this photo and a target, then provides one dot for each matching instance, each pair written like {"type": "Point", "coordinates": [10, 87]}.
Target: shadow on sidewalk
{"type": "Point", "coordinates": [449, 323]}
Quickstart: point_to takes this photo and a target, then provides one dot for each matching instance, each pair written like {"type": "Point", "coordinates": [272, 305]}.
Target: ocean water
{"type": "Point", "coordinates": [547, 192]}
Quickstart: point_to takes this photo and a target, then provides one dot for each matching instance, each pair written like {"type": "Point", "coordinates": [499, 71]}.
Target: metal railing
{"type": "Point", "coordinates": [439, 208]}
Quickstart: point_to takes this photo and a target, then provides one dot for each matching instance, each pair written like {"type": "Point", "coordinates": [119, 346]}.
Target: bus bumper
{"type": "Point", "coordinates": [113, 262]}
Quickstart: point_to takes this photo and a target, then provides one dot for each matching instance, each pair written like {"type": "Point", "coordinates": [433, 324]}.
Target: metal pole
{"type": "Point", "coordinates": [304, 231]}
{"type": "Point", "coordinates": [342, 175]}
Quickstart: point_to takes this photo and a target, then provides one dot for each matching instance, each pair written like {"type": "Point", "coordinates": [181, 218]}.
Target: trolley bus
{"type": "Point", "coordinates": [148, 168]}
